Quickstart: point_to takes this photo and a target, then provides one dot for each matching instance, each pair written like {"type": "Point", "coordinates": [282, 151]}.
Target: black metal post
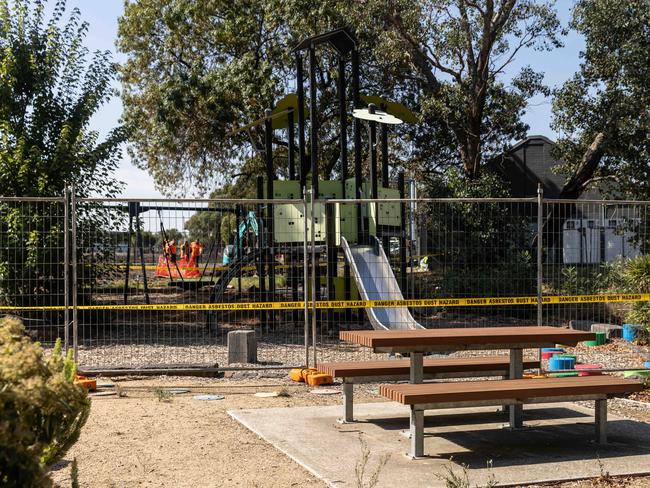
{"type": "Point", "coordinates": [402, 232]}
{"type": "Point", "coordinates": [128, 260]}
{"type": "Point", "coordinates": [332, 259]}
{"type": "Point", "coordinates": [313, 121]}
{"type": "Point", "coordinates": [302, 175]}
{"type": "Point", "coordinates": [260, 240]}
{"type": "Point", "coordinates": [358, 181]}
{"type": "Point", "coordinates": [373, 174]}
{"type": "Point", "coordinates": [343, 118]}
{"type": "Point", "coordinates": [343, 121]}
{"type": "Point", "coordinates": [138, 234]}
{"type": "Point", "coordinates": [239, 245]}
{"type": "Point", "coordinates": [385, 183]}
{"type": "Point", "coordinates": [290, 146]}
{"type": "Point", "coordinates": [270, 176]}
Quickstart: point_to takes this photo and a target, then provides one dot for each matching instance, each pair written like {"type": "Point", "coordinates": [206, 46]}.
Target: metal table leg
{"type": "Point", "coordinates": [601, 421]}
{"type": "Point", "coordinates": [348, 401]}
{"type": "Point", "coordinates": [417, 432]}
{"type": "Point", "coordinates": [417, 367]}
{"type": "Point", "coordinates": [516, 372]}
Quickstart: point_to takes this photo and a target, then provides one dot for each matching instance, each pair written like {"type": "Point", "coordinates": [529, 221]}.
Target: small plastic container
{"type": "Point", "coordinates": [560, 361]}
{"type": "Point", "coordinates": [589, 366]}
{"type": "Point", "coordinates": [548, 352]}
{"type": "Point", "coordinates": [630, 332]}
{"type": "Point", "coordinates": [601, 338]}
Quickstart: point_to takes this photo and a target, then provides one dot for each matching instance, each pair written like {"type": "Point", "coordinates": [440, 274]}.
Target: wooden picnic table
{"type": "Point", "coordinates": [416, 342]}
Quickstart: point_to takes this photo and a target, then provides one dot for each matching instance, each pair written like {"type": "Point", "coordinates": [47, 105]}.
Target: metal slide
{"type": "Point", "coordinates": [376, 281]}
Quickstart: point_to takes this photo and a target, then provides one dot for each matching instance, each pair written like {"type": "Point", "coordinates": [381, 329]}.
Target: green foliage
{"type": "Point", "coordinates": [228, 228]}
{"type": "Point", "coordinates": [203, 226]}
{"type": "Point", "coordinates": [588, 280]}
{"type": "Point", "coordinates": [363, 477]}
{"type": "Point", "coordinates": [49, 91]}
{"type": "Point", "coordinates": [483, 249]}
{"type": "Point", "coordinates": [605, 103]}
{"type": "Point", "coordinates": [442, 58]}
{"type": "Point", "coordinates": [454, 479]}
{"type": "Point", "coordinates": [163, 395]}
{"type": "Point", "coordinates": [637, 275]}
{"type": "Point", "coordinates": [42, 410]}
{"type": "Point", "coordinates": [74, 474]}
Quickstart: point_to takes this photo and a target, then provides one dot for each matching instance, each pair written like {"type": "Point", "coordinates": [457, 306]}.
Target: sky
{"type": "Point", "coordinates": [102, 15]}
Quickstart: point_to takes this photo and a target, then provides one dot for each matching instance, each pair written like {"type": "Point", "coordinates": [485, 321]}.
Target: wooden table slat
{"type": "Point", "coordinates": [470, 336]}
{"type": "Point", "coordinates": [411, 394]}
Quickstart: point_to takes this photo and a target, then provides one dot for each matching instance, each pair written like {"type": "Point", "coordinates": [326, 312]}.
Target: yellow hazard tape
{"type": "Point", "coordinates": [324, 304]}
{"type": "Point", "coordinates": [137, 267]}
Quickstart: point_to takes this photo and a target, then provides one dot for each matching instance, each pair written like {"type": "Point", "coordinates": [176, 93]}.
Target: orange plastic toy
{"type": "Point", "coordinates": [296, 375]}
{"type": "Point", "coordinates": [87, 383]}
{"type": "Point", "coordinates": [317, 379]}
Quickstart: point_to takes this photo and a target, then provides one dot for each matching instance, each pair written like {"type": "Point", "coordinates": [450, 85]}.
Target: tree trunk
{"type": "Point", "coordinates": [583, 174]}
{"type": "Point", "coordinates": [572, 189]}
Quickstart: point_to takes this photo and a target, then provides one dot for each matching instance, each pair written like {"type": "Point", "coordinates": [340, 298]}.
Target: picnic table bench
{"type": "Point", "coordinates": [398, 369]}
{"type": "Point", "coordinates": [429, 396]}
{"type": "Point", "coordinates": [513, 392]}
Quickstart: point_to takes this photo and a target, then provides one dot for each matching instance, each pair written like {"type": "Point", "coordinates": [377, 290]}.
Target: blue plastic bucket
{"type": "Point", "coordinates": [646, 364]}
{"type": "Point", "coordinates": [557, 363]}
{"type": "Point", "coordinates": [630, 332]}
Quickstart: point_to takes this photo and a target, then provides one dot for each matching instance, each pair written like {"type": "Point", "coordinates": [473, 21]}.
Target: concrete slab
{"type": "Point", "coordinates": [556, 444]}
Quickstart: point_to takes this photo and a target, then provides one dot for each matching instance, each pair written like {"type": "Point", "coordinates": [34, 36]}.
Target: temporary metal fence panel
{"type": "Point", "coordinates": [596, 265]}
{"type": "Point", "coordinates": [33, 281]}
{"type": "Point", "coordinates": [166, 283]}
{"type": "Point", "coordinates": [259, 268]}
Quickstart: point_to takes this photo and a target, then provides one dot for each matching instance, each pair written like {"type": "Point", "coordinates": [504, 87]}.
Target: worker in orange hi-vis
{"type": "Point", "coordinates": [185, 250]}
{"type": "Point", "coordinates": [197, 250]}
{"type": "Point", "coordinates": [166, 248]}
{"type": "Point", "coordinates": [172, 251]}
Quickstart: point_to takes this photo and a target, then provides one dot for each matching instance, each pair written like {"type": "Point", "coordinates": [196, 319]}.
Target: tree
{"type": "Point", "coordinates": [228, 228]}
{"type": "Point", "coordinates": [48, 93]}
{"type": "Point", "coordinates": [457, 51]}
{"type": "Point", "coordinates": [602, 112]}
{"type": "Point", "coordinates": [198, 69]}
{"type": "Point", "coordinates": [204, 226]}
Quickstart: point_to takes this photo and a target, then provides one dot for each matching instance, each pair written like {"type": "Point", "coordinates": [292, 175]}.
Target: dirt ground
{"type": "Point", "coordinates": [141, 440]}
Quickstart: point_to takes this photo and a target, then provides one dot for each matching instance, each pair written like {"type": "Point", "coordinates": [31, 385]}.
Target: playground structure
{"type": "Point", "coordinates": [339, 228]}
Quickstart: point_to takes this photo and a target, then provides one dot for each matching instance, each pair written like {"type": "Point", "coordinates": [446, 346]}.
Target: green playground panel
{"type": "Point", "coordinates": [289, 218]}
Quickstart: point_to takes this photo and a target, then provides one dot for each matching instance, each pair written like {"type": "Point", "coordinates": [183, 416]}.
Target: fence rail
{"type": "Point", "coordinates": [163, 283]}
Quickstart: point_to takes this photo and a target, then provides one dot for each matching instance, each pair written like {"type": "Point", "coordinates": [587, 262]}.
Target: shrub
{"type": "Point", "coordinates": [41, 410]}
{"type": "Point", "coordinates": [514, 277]}
{"type": "Point", "coordinates": [637, 275]}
